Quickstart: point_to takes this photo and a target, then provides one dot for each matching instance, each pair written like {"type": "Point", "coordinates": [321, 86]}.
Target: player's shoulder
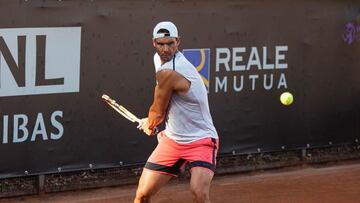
{"type": "Point", "coordinates": [182, 61]}
{"type": "Point", "coordinates": [167, 75]}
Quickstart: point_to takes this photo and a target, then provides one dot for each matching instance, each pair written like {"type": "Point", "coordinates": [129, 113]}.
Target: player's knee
{"type": "Point", "coordinates": [200, 195]}
{"type": "Point", "coordinates": [142, 195]}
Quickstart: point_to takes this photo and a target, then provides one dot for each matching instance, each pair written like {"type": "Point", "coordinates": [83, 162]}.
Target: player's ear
{"type": "Point", "coordinates": [154, 42]}
{"type": "Point", "coordinates": [178, 40]}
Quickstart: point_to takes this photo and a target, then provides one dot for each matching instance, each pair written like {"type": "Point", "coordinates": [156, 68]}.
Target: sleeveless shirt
{"type": "Point", "coordinates": [188, 117]}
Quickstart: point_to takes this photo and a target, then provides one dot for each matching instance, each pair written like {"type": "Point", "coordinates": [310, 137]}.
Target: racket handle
{"type": "Point", "coordinates": [156, 130]}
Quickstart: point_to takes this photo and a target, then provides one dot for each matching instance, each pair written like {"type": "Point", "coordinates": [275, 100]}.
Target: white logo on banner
{"type": "Point", "coordinates": [39, 60]}
{"type": "Point", "coordinates": [240, 68]}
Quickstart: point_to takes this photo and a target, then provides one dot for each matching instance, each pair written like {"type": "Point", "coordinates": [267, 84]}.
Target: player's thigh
{"type": "Point", "coordinates": [201, 179]}
{"type": "Point", "coordinates": [151, 181]}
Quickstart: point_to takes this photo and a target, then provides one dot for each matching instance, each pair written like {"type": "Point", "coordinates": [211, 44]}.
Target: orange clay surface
{"type": "Point", "coordinates": [340, 183]}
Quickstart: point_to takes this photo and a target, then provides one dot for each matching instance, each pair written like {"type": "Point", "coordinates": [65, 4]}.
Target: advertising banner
{"type": "Point", "coordinates": [57, 58]}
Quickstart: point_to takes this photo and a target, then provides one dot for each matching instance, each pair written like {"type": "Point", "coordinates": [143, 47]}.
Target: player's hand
{"type": "Point", "coordinates": [144, 126]}
{"type": "Point", "coordinates": [142, 123]}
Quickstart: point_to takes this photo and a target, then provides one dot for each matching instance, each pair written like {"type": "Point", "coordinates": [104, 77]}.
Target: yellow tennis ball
{"type": "Point", "coordinates": [286, 98]}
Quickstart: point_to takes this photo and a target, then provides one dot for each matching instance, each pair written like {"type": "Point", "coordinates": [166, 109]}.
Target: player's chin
{"type": "Point", "coordinates": [166, 58]}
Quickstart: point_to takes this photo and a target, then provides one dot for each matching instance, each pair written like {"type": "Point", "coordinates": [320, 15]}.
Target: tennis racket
{"type": "Point", "coordinates": [123, 111]}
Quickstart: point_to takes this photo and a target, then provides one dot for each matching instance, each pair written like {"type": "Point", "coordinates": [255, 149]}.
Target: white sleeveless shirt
{"type": "Point", "coordinates": [188, 117]}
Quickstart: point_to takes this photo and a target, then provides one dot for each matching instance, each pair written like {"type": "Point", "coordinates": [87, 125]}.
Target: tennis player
{"type": "Point", "coordinates": [180, 99]}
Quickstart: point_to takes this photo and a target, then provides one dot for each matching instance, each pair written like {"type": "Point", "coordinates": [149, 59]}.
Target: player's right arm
{"type": "Point", "coordinates": [169, 81]}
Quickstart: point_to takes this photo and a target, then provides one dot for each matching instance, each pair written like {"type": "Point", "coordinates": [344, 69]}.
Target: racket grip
{"type": "Point", "coordinates": [156, 131]}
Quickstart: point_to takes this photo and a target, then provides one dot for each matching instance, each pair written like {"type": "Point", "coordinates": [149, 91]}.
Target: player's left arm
{"type": "Point", "coordinates": [169, 81]}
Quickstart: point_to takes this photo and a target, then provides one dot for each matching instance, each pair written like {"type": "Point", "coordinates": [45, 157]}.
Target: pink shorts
{"type": "Point", "coordinates": [169, 156]}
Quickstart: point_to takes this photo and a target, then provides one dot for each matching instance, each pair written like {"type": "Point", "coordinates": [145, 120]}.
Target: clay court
{"type": "Point", "coordinates": [328, 184]}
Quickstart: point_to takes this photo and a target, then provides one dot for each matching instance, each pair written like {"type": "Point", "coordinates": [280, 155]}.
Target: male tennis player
{"type": "Point", "coordinates": [190, 137]}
